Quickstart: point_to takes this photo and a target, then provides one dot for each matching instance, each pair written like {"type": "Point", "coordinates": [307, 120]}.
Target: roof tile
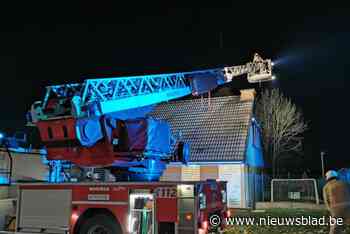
{"type": "Point", "coordinates": [216, 132]}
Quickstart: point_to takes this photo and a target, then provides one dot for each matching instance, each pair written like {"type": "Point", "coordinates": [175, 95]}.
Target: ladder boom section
{"type": "Point", "coordinates": [97, 97]}
{"type": "Point", "coordinates": [122, 93]}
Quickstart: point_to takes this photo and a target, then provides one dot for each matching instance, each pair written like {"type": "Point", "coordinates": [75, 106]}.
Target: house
{"type": "Point", "coordinates": [225, 143]}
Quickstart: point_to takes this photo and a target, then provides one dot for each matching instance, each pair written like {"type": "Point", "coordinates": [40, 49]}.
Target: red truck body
{"type": "Point", "coordinates": [166, 207]}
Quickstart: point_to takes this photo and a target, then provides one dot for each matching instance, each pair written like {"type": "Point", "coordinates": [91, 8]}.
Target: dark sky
{"type": "Point", "coordinates": [52, 44]}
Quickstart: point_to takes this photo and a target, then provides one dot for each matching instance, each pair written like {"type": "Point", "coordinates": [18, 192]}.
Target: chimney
{"type": "Point", "coordinates": [247, 94]}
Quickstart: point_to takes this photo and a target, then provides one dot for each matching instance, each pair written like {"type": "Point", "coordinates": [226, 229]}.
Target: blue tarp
{"type": "Point", "coordinates": [203, 83]}
{"type": "Point", "coordinates": [149, 135]}
{"type": "Point", "coordinates": [158, 136]}
{"type": "Point", "coordinates": [254, 153]}
{"type": "Point", "coordinates": [88, 131]}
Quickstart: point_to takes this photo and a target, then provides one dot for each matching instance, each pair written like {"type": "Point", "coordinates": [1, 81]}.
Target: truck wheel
{"type": "Point", "coordinates": [100, 224]}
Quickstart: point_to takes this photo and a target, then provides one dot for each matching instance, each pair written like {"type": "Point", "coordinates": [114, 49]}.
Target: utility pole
{"type": "Point", "coordinates": [322, 163]}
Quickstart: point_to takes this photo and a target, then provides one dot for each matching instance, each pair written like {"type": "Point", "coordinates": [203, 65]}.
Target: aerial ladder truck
{"type": "Point", "coordinates": [114, 155]}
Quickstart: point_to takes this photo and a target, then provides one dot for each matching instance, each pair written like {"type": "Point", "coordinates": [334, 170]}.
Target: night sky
{"type": "Point", "coordinates": [51, 44]}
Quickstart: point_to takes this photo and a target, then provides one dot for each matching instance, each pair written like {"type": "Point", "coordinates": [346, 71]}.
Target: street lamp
{"type": "Point", "coordinates": [322, 163]}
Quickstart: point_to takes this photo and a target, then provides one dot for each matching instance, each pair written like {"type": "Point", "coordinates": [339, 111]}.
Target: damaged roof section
{"type": "Point", "coordinates": [216, 128]}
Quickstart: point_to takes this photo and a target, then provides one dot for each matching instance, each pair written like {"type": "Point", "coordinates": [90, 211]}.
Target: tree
{"type": "Point", "coordinates": [282, 125]}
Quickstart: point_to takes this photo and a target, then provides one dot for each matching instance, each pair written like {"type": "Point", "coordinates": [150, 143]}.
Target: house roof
{"type": "Point", "coordinates": [216, 132]}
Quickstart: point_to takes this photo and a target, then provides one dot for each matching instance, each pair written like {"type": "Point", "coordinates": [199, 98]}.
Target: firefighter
{"type": "Point", "coordinates": [336, 196]}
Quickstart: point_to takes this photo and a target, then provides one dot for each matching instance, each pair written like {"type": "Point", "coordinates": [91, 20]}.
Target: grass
{"type": "Point", "coordinates": [288, 229]}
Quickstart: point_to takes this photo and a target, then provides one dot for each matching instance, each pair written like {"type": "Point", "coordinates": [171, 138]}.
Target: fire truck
{"type": "Point", "coordinates": [107, 155]}
{"type": "Point", "coordinates": [120, 207]}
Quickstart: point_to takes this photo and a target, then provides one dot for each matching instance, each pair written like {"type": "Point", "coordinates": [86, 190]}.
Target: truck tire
{"type": "Point", "coordinates": [100, 224]}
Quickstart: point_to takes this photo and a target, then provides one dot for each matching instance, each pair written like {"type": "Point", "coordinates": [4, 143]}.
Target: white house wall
{"type": "Point", "coordinates": [190, 173]}
{"type": "Point", "coordinates": [232, 173]}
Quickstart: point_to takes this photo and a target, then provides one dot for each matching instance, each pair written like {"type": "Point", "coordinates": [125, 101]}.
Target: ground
{"type": "Point", "coordinates": [288, 229]}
